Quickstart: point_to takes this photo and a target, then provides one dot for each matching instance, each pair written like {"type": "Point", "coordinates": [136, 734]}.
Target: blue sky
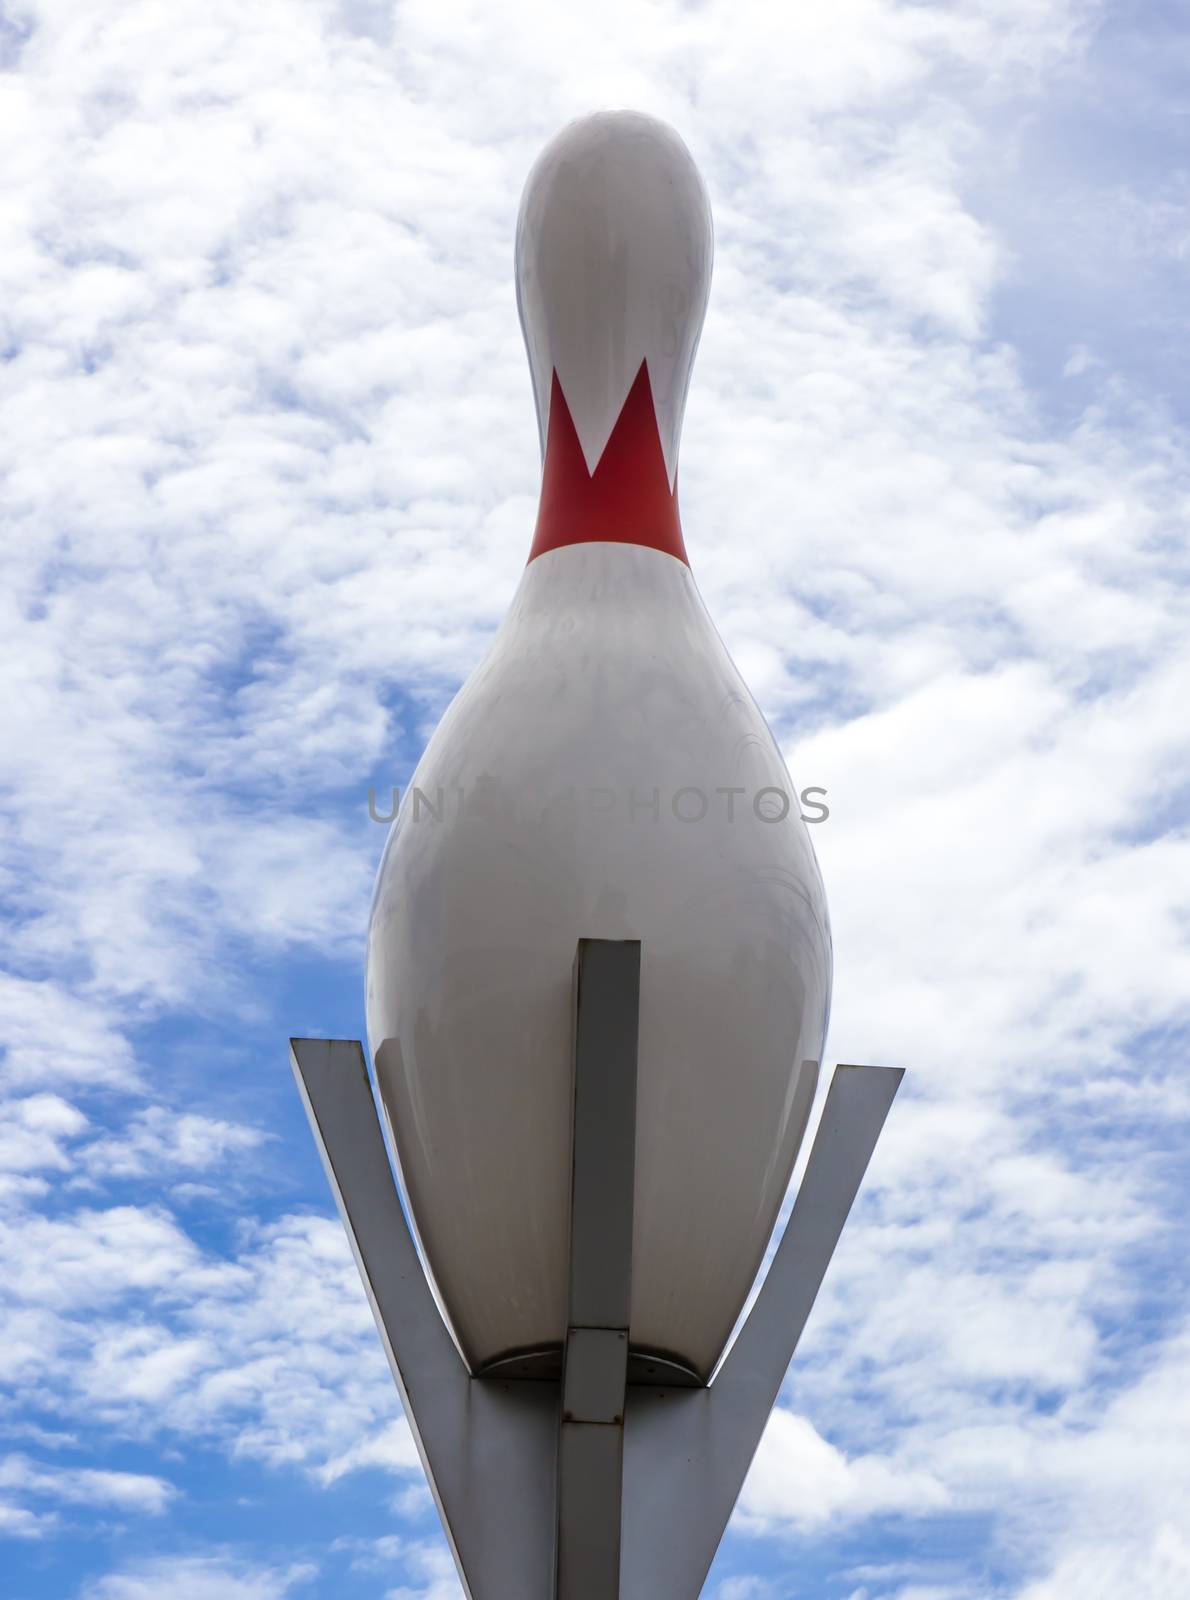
{"type": "Point", "coordinates": [268, 467]}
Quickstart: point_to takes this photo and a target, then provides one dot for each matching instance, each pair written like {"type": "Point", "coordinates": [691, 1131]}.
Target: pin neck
{"type": "Point", "coordinates": [627, 499]}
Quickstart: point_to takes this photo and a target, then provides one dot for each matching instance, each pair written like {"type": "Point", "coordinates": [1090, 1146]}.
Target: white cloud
{"type": "Point", "coordinates": [1156, 1568]}
{"type": "Point", "coordinates": [744, 1589]}
{"type": "Point", "coordinates": [18, 1522]}
{"type": "Point", "coordinates": [207, 1577]}
{"type": "Point", "coordinates": [120, 1317]}
{"type": "Point", "coordinates": [123, 1491]}
{"type": "Point", "coordinates": [428, 1564]}
{"type": "Point", "coordinates": [91, 1258]}
{"type": "Point", "coordinates": [1126, 1472]}
{"type": "Point", "coordinates": [432, 1572]}
{"type": "Point", "coordinates": [55, 1036]}
{"type": "Point", "coordinates": [801, 1481]}
{"type": "Point", "coordinates": [33, 1132]}
{"type": "Point", "coordinates": [156, 1140]}
{"type": "Point", "coordinates": [393, 1449]}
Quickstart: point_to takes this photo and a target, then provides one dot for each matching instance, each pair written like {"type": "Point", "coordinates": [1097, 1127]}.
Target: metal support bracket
{"type": "Point", "coordinates": [687, 1451]}
{"type": "Point", "coordinates": [591, 1489]}
{"type": "Point", "coordinates": [488, 1447]}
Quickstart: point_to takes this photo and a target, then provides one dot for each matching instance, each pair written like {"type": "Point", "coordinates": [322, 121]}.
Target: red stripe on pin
{"type": "Point", "coordinates": [626, 500]}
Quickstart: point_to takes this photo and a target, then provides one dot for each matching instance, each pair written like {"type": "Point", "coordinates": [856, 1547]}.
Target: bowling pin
{"type": "Point", "coordinates": [604, 774]}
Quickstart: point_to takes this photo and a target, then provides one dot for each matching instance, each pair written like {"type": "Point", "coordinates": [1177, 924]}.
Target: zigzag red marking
{"type": "Point", "coordinates": [626, 500]}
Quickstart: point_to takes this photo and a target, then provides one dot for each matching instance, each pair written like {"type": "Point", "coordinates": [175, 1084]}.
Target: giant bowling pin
{"type": "Point", "coordinates": [605, 774]}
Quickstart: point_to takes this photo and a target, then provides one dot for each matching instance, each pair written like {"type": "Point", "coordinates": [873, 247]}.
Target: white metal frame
{"type": "Point", "coordinates": [591, 1488]}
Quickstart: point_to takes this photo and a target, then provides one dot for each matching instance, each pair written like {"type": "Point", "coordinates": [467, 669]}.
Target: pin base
{"type": "Point", "coordinates": [598, 1472]}
{"type": "Point", "coordinates": [645, 1367]}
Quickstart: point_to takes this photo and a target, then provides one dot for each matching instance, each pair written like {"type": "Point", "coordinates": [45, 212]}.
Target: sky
{"type": "Point", "coordinates": [268, 474]}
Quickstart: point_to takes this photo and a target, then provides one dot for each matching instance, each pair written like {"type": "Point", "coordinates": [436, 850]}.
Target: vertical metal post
{"type": "Point", "coordinates": [595, 1364]}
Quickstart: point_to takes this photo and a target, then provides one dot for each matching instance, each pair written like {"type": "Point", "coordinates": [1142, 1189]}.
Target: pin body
{"type": "Point", "coordinates": [604, 774]}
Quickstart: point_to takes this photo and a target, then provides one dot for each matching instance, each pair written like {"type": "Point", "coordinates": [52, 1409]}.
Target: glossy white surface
{"type": "Point", "coordinates": [606, 682]}
{"type": "Point", "coordinates": [613, 265]}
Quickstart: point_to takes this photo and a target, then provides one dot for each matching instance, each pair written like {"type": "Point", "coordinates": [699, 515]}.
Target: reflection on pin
{"type": "Point", "coordinates": [607, 675]}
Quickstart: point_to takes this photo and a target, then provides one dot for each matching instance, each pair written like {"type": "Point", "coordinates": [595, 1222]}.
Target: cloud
{"type": "Point", "coordinates": [393, 1449]}
{"type": "Point", "coordinates": [800, 1481]}
{"type": "Point", "coordinates": [73, 1486]}
{"type": "Point", "coordinates": [1159, 1569]}
{"type": "Point", "coordinates": [1127, 1476]}
{"type": "Point", "coordinates": [119, 1317]}
{"type": "Point", "coordinates": [33, 1132]}
{"type": "Point", "coordinates": [427, 1564]}
{"type": "Point", "coordinates": [18, 1522]}
{"type": "Point", "coordinates": [157, 1140]}
{"type": "Point", "coordinates": [432, 1572]}
{"type": "Point", "coordinates": [94, 1257]}
{"type": "Point", "coordinates": [54, 1035]}
{"type": "Point", "coordinates": [209, 1577]}
{"type": "Point", "coordinates": [744, 1589]}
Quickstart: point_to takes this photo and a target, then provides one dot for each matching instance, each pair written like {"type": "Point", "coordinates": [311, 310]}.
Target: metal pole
{"type": "Point", "coordinates": [595, 1363]}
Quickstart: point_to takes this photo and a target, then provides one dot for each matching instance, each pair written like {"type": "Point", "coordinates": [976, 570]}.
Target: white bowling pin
{"type": "Point", "coordinates": [604, 773]}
